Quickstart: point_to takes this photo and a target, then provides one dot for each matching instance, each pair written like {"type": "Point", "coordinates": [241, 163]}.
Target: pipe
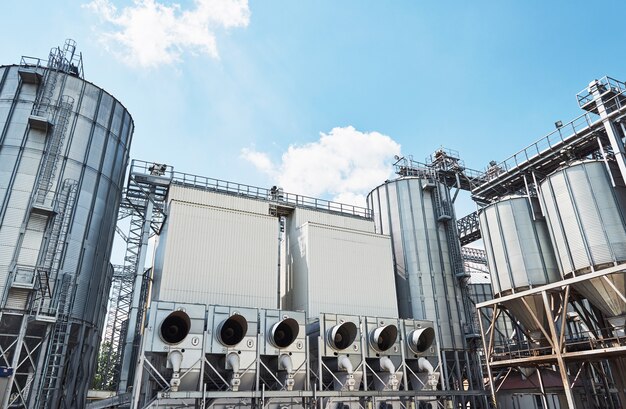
{"type": "Point", "coordinates": [284, 363]}
{"type": "Point", "coordinates": [175, 359]}
{"type": "Point", "coordinates": [343, 362]}
{"type": "Point", "coordinates": [387, 365]}
{"type": "Point", "coordinates": [232, 359]}
{"type": "Point", "coordinates": [425, 366]}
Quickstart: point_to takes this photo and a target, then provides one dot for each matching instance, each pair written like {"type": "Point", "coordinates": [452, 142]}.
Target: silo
{"type": "Point", "coordinates": [417, 213]}
{"type": "Point", "coordinates": [64, 146]}
{"type": "Point", "coordinates": [519, 254]}
{"type": "Point", "coordinates": [585, 209]}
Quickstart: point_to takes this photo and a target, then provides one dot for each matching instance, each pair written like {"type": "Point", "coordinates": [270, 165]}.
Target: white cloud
{"type": "Point", "coordinates": [149, 33]}
{"type": "Point", "coordinates": [345, 164]}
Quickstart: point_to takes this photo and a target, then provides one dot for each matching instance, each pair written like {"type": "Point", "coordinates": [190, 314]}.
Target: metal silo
{"type": "Point", "coordinates": [519, 254]}
{"type": "Point", "coordinates": [63, 149]}
{"type": "Point", "coordinates": [418, 215]}
{"type": "Point", "coordinates": [585, 209]}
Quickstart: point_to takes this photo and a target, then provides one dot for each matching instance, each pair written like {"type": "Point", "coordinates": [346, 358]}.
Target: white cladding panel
{"type": "Point", "coordinates": [343, 271]}
{"type": "Point", "coordinates": [211, 255]}
{"type": "Point", "coordinates": [301, 216]}
{"type": "Point", "coordinates": [226, 201]}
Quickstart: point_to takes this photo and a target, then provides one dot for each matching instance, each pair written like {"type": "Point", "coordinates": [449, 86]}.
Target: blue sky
{"type": "Point", "coordinates": [319, 95]}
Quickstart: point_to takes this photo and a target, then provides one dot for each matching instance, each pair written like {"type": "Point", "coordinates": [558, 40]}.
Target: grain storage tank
{"type": "Point", "coordinates": [587, 219]}
{"type": "Point", "coordinates": [411, 210]}
{"type": "Point", "coordinates": [519, 254]}
{"type": "Point", "coordinates": [64, 146]}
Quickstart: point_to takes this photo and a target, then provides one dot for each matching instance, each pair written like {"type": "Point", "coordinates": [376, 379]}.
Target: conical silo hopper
{"type": "Point", "coordinates": [586, 216]}
{"type": "Point", "coordinates": [520, 256]}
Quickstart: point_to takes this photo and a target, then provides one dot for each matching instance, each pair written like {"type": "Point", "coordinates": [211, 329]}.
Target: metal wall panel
{"type": "Point", "coordinates": [225, 201]}
{"type": "Point", "coordinates": [344, 271]}
{"type": "Point", "coordinates": [301, 216]}
{"type": "Point", "coordinates": [518, 247]}
{"type": "Point", "coordinates": [586, 219]}
{"type": "Point", "coordinates": [213, 255]}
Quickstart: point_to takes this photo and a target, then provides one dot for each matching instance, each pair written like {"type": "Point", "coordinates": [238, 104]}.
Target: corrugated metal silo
{"type": "Point", "coordinates": [427, 289]}
{"type": "Point", "coordinates": [519, 254]}
{"type": "Point", "coordinates": [64, 146]}
{"type": "Point", "coordinates": [587, 219]}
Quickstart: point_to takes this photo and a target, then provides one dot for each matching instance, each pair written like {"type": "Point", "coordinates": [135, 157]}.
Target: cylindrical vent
{"type": "Point", "coordinates": [421, 339]}
{"type": "Point", "coordinates": [175, 327]}
{"type": "Point", "coordinates": [517, 243]}
{"type": "Point", "coordinates": [342, 336]}
{"type": "Point", "coordinates": [383, 338]}
{"type": "Point", "coordinates": [232, 330]}
{"type": "Point", "coordinates": [284, 333]}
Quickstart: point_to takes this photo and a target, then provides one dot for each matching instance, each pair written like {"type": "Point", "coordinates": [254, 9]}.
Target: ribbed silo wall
{"type": "Point", "coordinates": [517, 242]}
{"type": "Point", "coordinates": [426, 285]}
{"type": "Point", "coordinates": [586, 214]}
{"type": "Point", "coordinates": [60, 191]}
{"type": "Point", "coordinates": [217, 248]}
{"type": "Point", "coordinates": [519, 254]}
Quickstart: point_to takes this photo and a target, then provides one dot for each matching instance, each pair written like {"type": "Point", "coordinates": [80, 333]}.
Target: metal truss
{"type": "Point", "coordinates": [143, 203]}
{"type": "Point", "coordinates": [562, 344]}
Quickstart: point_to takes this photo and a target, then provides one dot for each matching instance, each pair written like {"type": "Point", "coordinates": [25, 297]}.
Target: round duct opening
{"type": "Point", "coordinates": [383, 338]}
{"type": "Point", "coordinates": [284, 333]}
{"type": "Point", "coordinates": [175, 327]}
{"type": "Point", "coordinates": [232, 330]}
{"type": "Point", "coordinates": [421, 339]}
{"type": "Point", "coordinates": [342, 336]}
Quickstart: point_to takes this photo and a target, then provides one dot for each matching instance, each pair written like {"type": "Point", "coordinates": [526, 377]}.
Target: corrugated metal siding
{"type": "Point", "coordinates": [347, 272]}
{"type": "Point", "coordinates": [519, 250]}
{"type": "Point", "coordinates": [31, 244]}
{"type": "Point", "coordinates": [17, 299]}
{"type": "Point", "coordinates": [225, 201]}
{"type": "Point", "coordinates": [218, 256]}
{"type": "Point", "coordinates": [301, 216]}
{"type": "Point", "coordinates": [585, 217]}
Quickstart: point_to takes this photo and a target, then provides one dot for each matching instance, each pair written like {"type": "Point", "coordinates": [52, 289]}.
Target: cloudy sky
{"type": "Point", "coordinates": [318, 96]}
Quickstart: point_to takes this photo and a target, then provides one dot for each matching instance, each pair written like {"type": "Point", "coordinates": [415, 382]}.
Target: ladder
{"type": "Point", "coordinates": [58, 344]}
{"type": "Point", "coordinates": [53, 150]}
{"type": "Point", "coordinates": [49, 268]}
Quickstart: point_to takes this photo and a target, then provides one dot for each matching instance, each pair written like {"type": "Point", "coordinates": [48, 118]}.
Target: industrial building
{"type": "Point", "coordinates": [257, 297]}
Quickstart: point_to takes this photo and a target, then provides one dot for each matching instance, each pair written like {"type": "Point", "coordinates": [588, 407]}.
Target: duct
{"type": "Point", "coordinates": [285, 363]}
{"type": "Point", "coordinates": [344, 364]}
{"type": "Point", "coordinates": [387, 365]}
{"type": "Point", "coordinates": [175, 358]}
{"type": "Point", "coordinates": [425, 366]}
{"type": "Point", "coordinates": [232, 362]}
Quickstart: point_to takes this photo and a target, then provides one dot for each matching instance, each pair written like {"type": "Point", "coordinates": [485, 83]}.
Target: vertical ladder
{"type": "Point", "coordinates": [58, 343]}
{"type": "Point", "coordinates": [49, 268]}
{"type": "Point", "coordinates": [53, 148]}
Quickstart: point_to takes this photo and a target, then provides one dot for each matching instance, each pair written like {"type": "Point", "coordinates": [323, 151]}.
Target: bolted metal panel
{"type": "Point", "coordinates": [427, 288]}
{"type": "Point", "coordinates": [341, 270]}
{"type": "Point", "coordinates": [587, 219]}
{"type": "Point", "coordinates": [215, 255]}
